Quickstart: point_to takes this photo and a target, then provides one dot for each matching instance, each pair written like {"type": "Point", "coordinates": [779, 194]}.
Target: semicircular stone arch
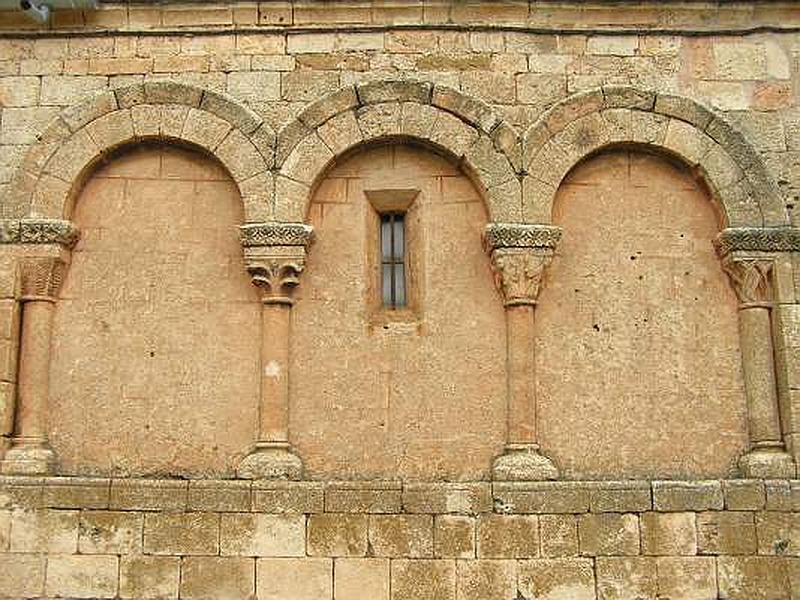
{"type": "Point", "coordinates": [465, 129]}
{"type": "Point", "coordinates": [81, 135]}
{"type": "Point", "coordinates": [588, 122]}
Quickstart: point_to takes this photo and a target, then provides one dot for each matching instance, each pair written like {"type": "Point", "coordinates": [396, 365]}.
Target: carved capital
{"type": "Point", "coordinates": [276, 234]}
{"type": "Point", "coordinates": [520, 235]}
{"type": "Point", "coordinates": [751, 278]}
{"type": "Point", "coordinates": [38, 231]}
{"type": "Point", "coordinates": [518, 273]}
{"type": "Point", "coordinates": [276, 270]}
{"type": "Point", "coordinates": [41, 278]}
{"type": "Point", "coordinates": [757, 239]}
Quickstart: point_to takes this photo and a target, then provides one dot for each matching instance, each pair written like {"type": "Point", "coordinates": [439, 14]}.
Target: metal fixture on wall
{"type": "Point", "coordinates": [39, 10]}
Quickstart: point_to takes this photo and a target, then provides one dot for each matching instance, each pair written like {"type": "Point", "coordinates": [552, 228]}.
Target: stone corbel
{"type": "Point", "coordinates": [519, 256]}
{"type": "Point", "coordinates": [42, 247]}
{"type": "Point", "coordinates": [749, 258]}
{"type": "Point", "coordinates": [274, 255]}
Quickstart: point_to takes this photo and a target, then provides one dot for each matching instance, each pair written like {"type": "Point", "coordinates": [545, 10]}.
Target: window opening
{"type": "Point", "coordinates": [393, 277]}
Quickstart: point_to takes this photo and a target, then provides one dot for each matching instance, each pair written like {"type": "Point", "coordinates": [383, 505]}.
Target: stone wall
{"type": "Point", "coordinates": [100, 538]}
{"type": "Point", "coordinates": [645, 154]}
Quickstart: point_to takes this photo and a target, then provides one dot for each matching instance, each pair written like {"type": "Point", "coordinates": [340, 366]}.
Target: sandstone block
{"type": "Point", "coordinates": [310, 43]}
{"type": "Point", "coordinates": [453, 536]}
{"type": "Point", "coordinates": [307, 160]}
{"type": "Point", "coordinates": [200, 127]}
{"type": "Point", "coordinates": [559, 535]}
{"type": "Point", "coordinates": [22, 575]}
{"type": "Point", "coordinates": [262, 535]}
{"type": "Point", "coordinates": [608, 534]}
{"type": "Point", "coordinates": [82, 576]}
{"type": "Point", "coordinates": [557, 579]}
{"type": "Point", "coordinates": [22, 125]}
{"type": "Point", "coordinates": [65, 90]}
{"type": "Point", "coordinates": [19, 91]}
{"type": "Point", "coordinates": [357, 578]}
{"type": "Point", "coordinates": [360, 498]}
{"type": "Point", "coordinates": [233, 496]}
{"type": "Point", "coordinates": [341, 132]}
{"type": "Point", "coordinates": [778, 533]}
{"type": "Point", "coordinates": [143, 494]}
{"type": "Point", "coordinates": [5, 530]}
{"type": "Point", "coordinates": [307, 86]}
{"type": "Point", "coordinates": [294, 578]}
{"type": "Point", "coordinates": [622, 496]}
{"type": "Point", "coordinates": [687, 578]}
{"type": "Point", "coordinates": [740, 60]}
{"type": "Point", "coordinates": [111, 130]}
{"type": "Point", "coordinates": [76, 492]}
{"type": "Point", "coordinates": [423, 580]}
{"type": "Point", "coordinates": [508, 536]}
{"type": "Point", "coordinates": [149, 577]}
{"type": "Point", "coordinates": [44, 531]}
{"type": "Point", "coordinates": [240, 156]}
{"type": "Point", "coordinates": [394, 91]}
{"type": "Point", "coordinates": [687, 495]}
{"type": "Point", "coordinates": [256, 86]}
{"type": "Point", "coordinates": [613, 45]}
{"type": "Point", "coordinates": [453, 133]}
{"type": "Point", "coordinates": [726, 533]}
{"type": "Point", "coordinates": [472, 111]}
{"type": "Point", "coordinates": [379, 120]}
{"type": "Point", "coordinates": [744, 494]}
{"type": "Point", "coordinates": [291, 199]}
{"type": "Point", "coordinates": [181, 533]}
{"type": "Point", "coordinates": [619, 578]}
{"type": "Point", "coordinates": [169, 92]}
{"type": "Point", "coordinates": [333, 534]}
{"type": "Point", "coordinates": [668, 533]}
{"type": "Point", "coordinates": [20, 492]}
{"type": "Point", "coordinates": [401, 535]}
{"type": "Point", "coordinates": [444, 498]}
{"type": "Point", "coordinates": [540, 90]}
{"type": "Point", "coordinates": [110, 532]}
{"type": "Point", "coordinates": [329, 106]}
{"type": "Point", "coordinates": [229, 109]}
{"type": "Point", "coordinates": [541, 497]}
{"type": "Point", "coordinates": [753, 577]}
{"type": "Point", "coordinates": [211, 578]}
{"type": "Point", "coordinates": [486, 579]}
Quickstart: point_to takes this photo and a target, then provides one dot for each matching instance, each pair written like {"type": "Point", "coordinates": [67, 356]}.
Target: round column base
{"type": "Point", "coordinates": [29, 457]}
{"type": "Point", "coordinates": [768, 463]}
{"type": "Point", "coordinates": [523, 462]}
{"type": "Point", "coordinates": [271, 461]}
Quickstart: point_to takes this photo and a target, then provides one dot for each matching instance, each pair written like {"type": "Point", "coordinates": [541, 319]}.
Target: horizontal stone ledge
{"type": "Point", "coordinates": [758, 239]}
{"type": "Point", "coordinates": [392, 496]}
{"type": "Point", "coordinates": [38, 231]}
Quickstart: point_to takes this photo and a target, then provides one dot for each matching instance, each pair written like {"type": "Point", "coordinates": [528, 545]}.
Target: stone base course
{"type": "Point", "coordinates": [138, 539]}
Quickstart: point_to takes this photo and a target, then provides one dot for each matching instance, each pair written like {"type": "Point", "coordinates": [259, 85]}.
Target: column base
{"type": "Point", "coordinates": [768, 462]}
{"type": "Point", "coordinates": [271, 460]}
{"type": "Point", "coordinates": [523, 462]}
{"type": "Point", "coordinates": [28, 457]}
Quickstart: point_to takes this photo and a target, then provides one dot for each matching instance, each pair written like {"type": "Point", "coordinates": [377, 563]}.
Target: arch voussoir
{"type": "Point", "coordinates": [166, 110]}
{"type": "Point", "coordinates": [618, 115]}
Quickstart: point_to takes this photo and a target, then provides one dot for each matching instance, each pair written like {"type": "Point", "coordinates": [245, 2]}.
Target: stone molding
{"type": "Point", "coordinates": [41, 277]}
{"type": "Point", "coordinates": [757, 239]}
{"type": "Point", "coordinates": [518, 273]}
{"type": "Point", "coordinates": [589, 121]}
{"type": "Point", "coordinates": [163, 110]}
{"type": "Point", "coordinates": [276, 234]}
{"type": "Point", "coordinates": [519, 235]}
{"type": "Point", "coordinates": [38, 231]}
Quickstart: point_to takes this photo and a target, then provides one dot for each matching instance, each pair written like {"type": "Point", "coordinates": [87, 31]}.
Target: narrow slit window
{"type": "Point", "coordinates": [393, 276]}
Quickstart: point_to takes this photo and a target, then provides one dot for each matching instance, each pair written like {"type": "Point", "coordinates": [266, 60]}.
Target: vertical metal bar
{"type": "Point", "coordinates": [392, 259]}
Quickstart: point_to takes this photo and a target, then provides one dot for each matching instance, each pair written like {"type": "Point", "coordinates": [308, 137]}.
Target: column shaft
{"type": "Point", "coordinates": [274, 406]}
{"type": "Point", "coordinates": [521, 374]}
{"type": "Point", "coordinates": [34, 369]}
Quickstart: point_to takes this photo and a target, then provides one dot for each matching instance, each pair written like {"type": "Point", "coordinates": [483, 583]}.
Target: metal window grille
{"type": "Point", "coordinates": [393, 276]}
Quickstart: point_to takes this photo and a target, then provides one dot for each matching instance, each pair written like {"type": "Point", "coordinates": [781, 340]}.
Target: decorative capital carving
{"type": "Point", "coordinates": [276, 234]}
{"type": "Point", "coordinates": [276, 270]}
{"type": "Point", "coordinates": [518, 273]}
{"type": "Point", "coordinates": [751, 279]}
{"type": "Point", "coordinates": [38, 231]}
{"type": "Point", "coordinates": [757, 239]}
{"type": "Point", "coordinates": [41, 278]}
{"type": "Point", "coordinates": [520, 235]}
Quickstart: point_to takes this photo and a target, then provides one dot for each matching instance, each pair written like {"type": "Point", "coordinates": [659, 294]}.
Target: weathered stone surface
{"type": "Point", "coordinates": [356, 578]}
{"type": "Point", "coordinates": [401, 535]}
{"type": "Point", "coordinates": [181, 533]}
{"type": "Point", "coordinates": [486, 579]}
{"type": "Point", "coordinates": [512, 536]}
{"type": "Point", "coordinates": [753, 577]}
{"type": "Point", "coordinates": [82, 576]}
{"type": "Point", "coordinates": [744, 495]}
{"type": "Point", "coordinates": [726, 533]}
{"type": "Point", "coordinates": [110, 532]}
{"type": "Point", "coordinates": [423, 579]}
{"type": "Point", "coordinates": [262, 535]}
{"type": "Point", "coordinates": [668, 533]}
{"type": "Point", "coordinates": [556, 497]}
{"type": "Point", "coordinates": [619, 578]}
{"type": "Point", "coordinates": [294, 578]}
{"type": "Point", "coordinates": [691, 578]}
{"type": "Point", "coordinates": [556, 579]}
{"type": "Point", "coordinates": [211, 577]}
{"type": "Point", "coordinates": [334, 534]}
{"type": "Point", "coordinates": [288, 497]}
{"type": "Point", "coordinates": [778, 533]}
{"type": "Point", "coordinates": [454, 536]}
{"type": "Point", "coordinates": [149, 577]}
{"type": "Point", "coordinates": [22, 575]}
{"type": "Point", "coordinates": [447, 498]}
{"type": "Point", "coordinates": [44, 531]}
{"type": "Point", "coordinates": [608, 534]}
{"type": "Point", "coordinates": [363, 498]}
{"type": "Point", "coordinates": [677, 496]}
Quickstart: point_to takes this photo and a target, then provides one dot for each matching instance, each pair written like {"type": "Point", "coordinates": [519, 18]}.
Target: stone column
{"type": "Point", "coordinates": [41, 272]}
{"type": "Point", "coordinates": [751, 276]}
{"type": "Point", "coordinates": [274, 257]}
{"type": "Point", "coordinates": [520, 254]}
